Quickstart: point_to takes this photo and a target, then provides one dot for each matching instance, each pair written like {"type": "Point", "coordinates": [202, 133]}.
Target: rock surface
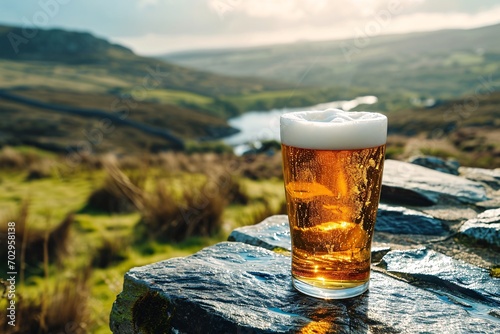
{"type": "Point", "coordinates": [447, 273]}
{"type": "Point", "coordinates": [485, 228]}
{"type": "Point", "coordinates": [406, 183]}
{"type": "Point", "coordinates": [441, 165]}
{"type": "Point", "coordinates": [400, 220]}
{"type": "Point", "coordinates": [238, 288]}
{"type": "Point", "coordinates": [491, 177]}
{"type": "Point", "coordinates": [272, 233]}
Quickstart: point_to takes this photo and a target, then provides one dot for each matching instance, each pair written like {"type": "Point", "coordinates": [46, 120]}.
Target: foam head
{"type": "Point", "coordinates": [333, 129]}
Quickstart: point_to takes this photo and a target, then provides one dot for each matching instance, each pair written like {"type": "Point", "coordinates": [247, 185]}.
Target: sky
{"type": "Point", "coordinates": [154, 27]}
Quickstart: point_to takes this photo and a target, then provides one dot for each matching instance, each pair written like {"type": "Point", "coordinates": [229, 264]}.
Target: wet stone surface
{"type": "Point", "coordinates": [490, 177]}
{"type": "Point", "coordinates": [441, 165]}
{"type": "Point", "coordinates": [237, 288]}
{"type": "Point", "coordinates": [272, 233]}
{"type": "Point", "coordinates": [409, 184]}
{"type": "Point", "coordinates": [449, 274]}
{"type": "Point", "coordinates": [484, 228]}
{"type": "Point", "coordinates": [401, 220]}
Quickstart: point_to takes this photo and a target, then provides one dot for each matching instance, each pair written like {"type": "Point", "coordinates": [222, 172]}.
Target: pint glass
{"type": "Point", "coordinates": [332, 165]}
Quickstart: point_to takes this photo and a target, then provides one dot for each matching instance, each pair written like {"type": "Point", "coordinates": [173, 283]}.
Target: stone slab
{"type": "Point", "coordinates": [237, 288]}
{"type": "Point", "coordinates": [491, 177]}
{"type": "Point", "coordinates": [272, 233]}
{"type": "Point", "coordinates": [401, 220]}
{"type": "Point", "coordinates": [439, 164]}
{"type": "Point", "coordinates": [408, 184]}
{"type": "Point", "coordinates": [439, 269]}
{"type": "Point", "coordinates": [484, 228]}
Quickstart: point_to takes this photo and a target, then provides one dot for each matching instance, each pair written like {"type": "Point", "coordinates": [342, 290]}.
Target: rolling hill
{"type": "Point", "coordinates": [439, 64]}
{"type": "Point", "coordinates": [64, 55]}
{"type": "Point", "coordinates": [57, 85]}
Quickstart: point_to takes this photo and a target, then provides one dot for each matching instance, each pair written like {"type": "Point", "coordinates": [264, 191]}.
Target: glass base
{"type": "Point", "coordinates": [314, 291]}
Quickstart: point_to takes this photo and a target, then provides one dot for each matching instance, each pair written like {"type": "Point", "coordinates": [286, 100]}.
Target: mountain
{"type": "Point", "coordinates": [438, 64]}
{"type": "Point", "coordinates": [57, 45]}
{"type": "Point", "coordinates": [57, 86]}
{"type": "Point", "coordinates": [63, 55]}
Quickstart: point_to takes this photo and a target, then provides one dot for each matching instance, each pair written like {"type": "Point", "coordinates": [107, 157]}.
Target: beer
{"type": "Point", "coordinates": [332, 164]}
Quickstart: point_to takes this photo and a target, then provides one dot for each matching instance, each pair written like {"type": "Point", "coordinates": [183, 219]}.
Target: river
{"type": "Point", "coordinates": [258, 126]}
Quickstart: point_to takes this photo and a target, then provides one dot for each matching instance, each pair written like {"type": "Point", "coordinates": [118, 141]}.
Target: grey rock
{"type": "Point", "coordinates": [450, 213]}
{"type": "Point", "coordinates": [378, 252]}
{"type": "Point", "coordinates": [491, 177]}
{"type": "Point", "coordinates": [490, 204]}
{"type": "Point", "coordinates": [238, 288]}
{"type": "Point", "coordinates": [274, 234]}
{"type": "Point", "coordinates": [485, 227]}
{"type": "Point", "coordinates": [445, 272]}
{"type": "Point", "coordinates": [449, 166]}
{"type": "Point", "coordinates": [405, 183]}
{"type": "Point", "coordinates": [400, 220]}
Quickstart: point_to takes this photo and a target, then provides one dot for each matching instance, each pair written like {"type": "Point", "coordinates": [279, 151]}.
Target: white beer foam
{"type": "Point", "coordinates": [333, 129]}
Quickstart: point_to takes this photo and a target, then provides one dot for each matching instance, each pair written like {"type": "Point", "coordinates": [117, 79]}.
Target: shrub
{"type": "Point", "coordinates": [32, 241]}
{"type": "Point", "coordinates": [119, 193]}
{"type": "Point", "coordinates": [39, 170]}
{"type": "Point", "coordinates": [61, 308]}
{"type": "Point", "coordinates": [10, 158]}
{"type": "Point", "coordinates": [237, 192]}
{"type": "Point", "coordinates": [111, 251]}
{"type": "Point", "coordinates": [196, 212]}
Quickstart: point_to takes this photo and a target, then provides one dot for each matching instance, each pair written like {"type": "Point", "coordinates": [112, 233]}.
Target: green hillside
{"type": "Point", "coordinates": [68, 70]}
{"type": "Point", "coordinates": [440, 64]}
{"type": "Point", "coordinates": [63, 56]}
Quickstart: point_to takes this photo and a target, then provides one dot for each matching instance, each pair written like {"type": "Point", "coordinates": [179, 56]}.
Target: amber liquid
{"type": "Point", "coordinates": [332, 200]}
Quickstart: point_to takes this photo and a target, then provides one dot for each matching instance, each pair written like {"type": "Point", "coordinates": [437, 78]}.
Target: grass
{"type": "Point", "coordinates": [294, 98]}
{"type": "Point", "coordinates": [170, 96]}
{"type": "Point", "coordinates": [103, 246]}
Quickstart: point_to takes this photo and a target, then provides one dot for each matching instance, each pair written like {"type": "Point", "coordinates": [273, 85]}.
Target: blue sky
{"type": "Point", "coordinates": [161, 26]}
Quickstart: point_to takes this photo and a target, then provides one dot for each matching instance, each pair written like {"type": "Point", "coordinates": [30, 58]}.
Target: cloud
{"type": "Point", "coordinates": [158, 43]}
{"type": "Point", "coordinates": [450, 20]}
{"type": "Point", "coordinates": [146, 3]}
{"type": "Point", "coordinates": [282, 9]}
{"type": "Point", "coordinates": [294, 10]}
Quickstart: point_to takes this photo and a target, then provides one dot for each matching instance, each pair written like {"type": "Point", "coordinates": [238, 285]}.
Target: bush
{"type": "Point", "coordinates": [111, 251]}
{"type": "Point", "coordinates": [12, 159]}
{"type": "Point", "coordinates": [39, 170]}
{"type": "Point", "coordinates": [119, 193]}
{"type": "Point", "coordinates": [196, 212]}
{"type": "Point", "coordinates": [62, 308]}
{"type": "Point", "coordinates": [32, 241]}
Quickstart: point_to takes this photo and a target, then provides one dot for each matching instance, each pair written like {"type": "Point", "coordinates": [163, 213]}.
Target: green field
{"type": "Point", "coordinates": [439, 64]}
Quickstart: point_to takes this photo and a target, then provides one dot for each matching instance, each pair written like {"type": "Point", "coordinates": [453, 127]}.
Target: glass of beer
{"type": "Point", "coordinates": [332, 165]}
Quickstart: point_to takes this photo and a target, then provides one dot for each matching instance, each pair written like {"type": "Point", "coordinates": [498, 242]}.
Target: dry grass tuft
{"type": "Point", "coordinates": [111, 251]}
{"type": "Point", "coordinates": [32, 241]}
{"type": "Point", "coordinates": [39, 170]}
{"type": "Point", "coordinates": [197, 212]}
{"type": "Point", "coordinates": [120, 192]}
{"type": "Point", "coordinates": [11, 159]}
{"type": "Point", "coordinates": [61, 308]}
